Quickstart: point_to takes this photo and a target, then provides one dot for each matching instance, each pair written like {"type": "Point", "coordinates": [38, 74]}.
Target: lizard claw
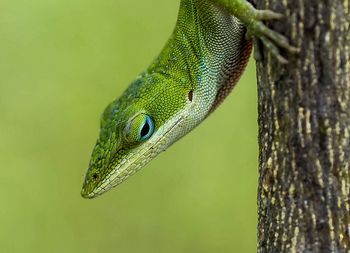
{"type": "Point", "coordinates": [271, 39]}
{"type": "Point", "coordinates": [267, 15]}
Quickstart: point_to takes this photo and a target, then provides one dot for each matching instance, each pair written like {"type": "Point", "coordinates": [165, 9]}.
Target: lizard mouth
{"type": "Point", "coordinates": [134, 161]}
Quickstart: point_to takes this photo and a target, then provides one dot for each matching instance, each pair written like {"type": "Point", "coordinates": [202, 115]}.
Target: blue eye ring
{"type": "Point", "coordinates": [146, 129]}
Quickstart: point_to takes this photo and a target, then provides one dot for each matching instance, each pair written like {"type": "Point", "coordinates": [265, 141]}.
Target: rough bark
{"type": "Point", "coordinates": [304, 131]}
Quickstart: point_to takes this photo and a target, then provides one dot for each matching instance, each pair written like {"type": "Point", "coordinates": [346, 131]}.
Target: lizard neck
{"type": "Point", "coordinates": [207, 51]}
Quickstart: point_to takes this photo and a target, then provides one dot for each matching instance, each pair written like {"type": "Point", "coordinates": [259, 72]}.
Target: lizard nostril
{"type": "Point", "coordinates": [95, 176]}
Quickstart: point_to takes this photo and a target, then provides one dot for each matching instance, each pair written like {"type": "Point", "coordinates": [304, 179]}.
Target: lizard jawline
{"type": "Point", "coordinates": [140, 157]}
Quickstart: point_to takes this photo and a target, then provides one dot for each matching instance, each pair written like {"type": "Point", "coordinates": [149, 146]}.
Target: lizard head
{"type": "Point", "coordinates": [144, 121]}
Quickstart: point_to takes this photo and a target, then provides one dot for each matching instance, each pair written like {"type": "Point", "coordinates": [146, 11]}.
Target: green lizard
{"type": "Point", "coordinates": [196, 70]}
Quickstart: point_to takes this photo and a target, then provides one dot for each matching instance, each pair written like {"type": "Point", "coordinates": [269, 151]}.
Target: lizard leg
{"type": "Point", "coordinates": [253, 20]}
{"type": "Point", "coordinates": [271, 39]}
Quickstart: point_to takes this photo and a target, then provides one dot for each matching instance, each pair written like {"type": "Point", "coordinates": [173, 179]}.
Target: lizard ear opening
{"type": "Point", "coordinates": [190, 95]}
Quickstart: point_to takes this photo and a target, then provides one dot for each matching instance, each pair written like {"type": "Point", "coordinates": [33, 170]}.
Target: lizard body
{"type": "Point", "coordinates": [196, 70]}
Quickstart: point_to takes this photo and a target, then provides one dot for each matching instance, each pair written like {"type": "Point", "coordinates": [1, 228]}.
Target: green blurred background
{"type": "Point", "coordinates": [61, 63]}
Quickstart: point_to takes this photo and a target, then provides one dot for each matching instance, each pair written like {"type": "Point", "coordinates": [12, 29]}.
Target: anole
{"type": "Point", "coordinates": [196, 70]}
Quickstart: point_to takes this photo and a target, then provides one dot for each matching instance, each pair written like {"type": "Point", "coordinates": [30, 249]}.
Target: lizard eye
{"type": "Point", "coordinates": [146, 129]}
{"type": "Point", "coordinates": [139, 129]}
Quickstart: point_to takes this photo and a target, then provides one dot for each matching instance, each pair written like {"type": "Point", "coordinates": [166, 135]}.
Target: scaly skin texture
{"type": "Point", "coordinates": [194, 73]}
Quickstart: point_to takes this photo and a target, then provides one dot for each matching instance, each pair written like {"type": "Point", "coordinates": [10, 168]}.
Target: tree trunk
{"type": "Point", "coordinates": [304, 131]}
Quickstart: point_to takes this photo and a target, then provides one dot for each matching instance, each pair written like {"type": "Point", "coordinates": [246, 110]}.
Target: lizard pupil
{"type": "Point", "coordinates": [145, 130]}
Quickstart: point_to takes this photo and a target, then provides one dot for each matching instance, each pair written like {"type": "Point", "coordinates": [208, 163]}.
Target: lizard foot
{"type": "Point", "coordinates": [271, 39]}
